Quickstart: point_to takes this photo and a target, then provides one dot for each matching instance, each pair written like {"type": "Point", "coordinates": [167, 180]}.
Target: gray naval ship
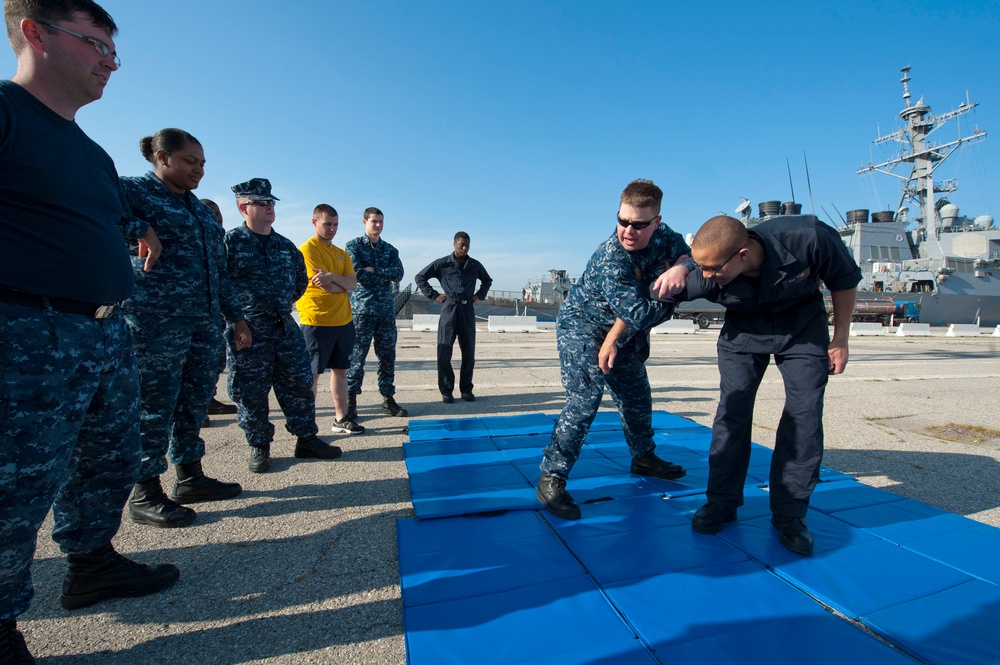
{"type": "Point", "coordinates": [935, 266]}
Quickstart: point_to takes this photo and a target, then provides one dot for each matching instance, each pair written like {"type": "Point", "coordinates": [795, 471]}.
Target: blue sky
{"type": "Point", "coordinates": [520, 122]}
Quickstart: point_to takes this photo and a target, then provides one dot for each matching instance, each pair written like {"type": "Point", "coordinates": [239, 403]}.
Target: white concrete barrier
{"type": "Point", "coordinates": [504, 324]}
{"type": "Point", "coordinates": [860, 329]}
{"type": "Point", "coordinates": [425, 322]}
{"type": "Point", "coordinates": [996, 332]}
{"type": "Point", "coordinates": [913, 330]}
{"type": "Point", "coordinates": [963, 330]}
{"type": "Point", "coordinates": [676, 327]}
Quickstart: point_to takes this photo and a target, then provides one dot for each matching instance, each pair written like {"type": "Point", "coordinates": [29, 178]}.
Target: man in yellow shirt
{"type": "Point", "coordinates": [325, 311]}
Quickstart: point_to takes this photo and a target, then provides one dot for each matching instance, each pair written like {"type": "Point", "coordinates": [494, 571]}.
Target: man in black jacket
{"type": "Point", "coordinates": [457, 274]}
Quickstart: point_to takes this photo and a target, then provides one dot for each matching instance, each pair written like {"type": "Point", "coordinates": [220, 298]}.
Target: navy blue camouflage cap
{"type": "Point", "coordinates": [255, 189]}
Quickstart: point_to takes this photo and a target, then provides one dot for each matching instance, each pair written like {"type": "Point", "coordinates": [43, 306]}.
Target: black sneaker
{"type": "Point", "coordinates": [553, 495]}
{"type": "Point", "coordinates": [217, 408]}
{"type": "Point", "coordinates": [651, 465]}
{"type": "Point", "coordinates": [260, 459]}
{"type": "Point", "coordinates": [390, 408]}
{"type": "Point", "coordinates": [313, 447]}
{"type": "Point", "coordinates": [468, 397]}
{"type": "Point", "coordinates": [710, 518]}
{"type": "Point", "coordinates": [151, 506]}
{"type": "Point", "coordinates": [793, 534]}
{"type": "Point", "coordinates": [13, 650]}
{"type": "Point", "coordinates": [107, 574]}
{"type": "Point", "coordinates": [346, 426]}
{"type": "Point", "coordinates": [447, 399]}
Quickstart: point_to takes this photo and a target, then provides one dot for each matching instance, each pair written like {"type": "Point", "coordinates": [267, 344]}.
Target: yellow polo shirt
{"type": "Point", "coordinates": [316, 306]}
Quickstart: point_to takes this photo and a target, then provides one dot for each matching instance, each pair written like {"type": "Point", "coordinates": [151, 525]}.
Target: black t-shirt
{"type": "Point", "coordinates": [60, 201]}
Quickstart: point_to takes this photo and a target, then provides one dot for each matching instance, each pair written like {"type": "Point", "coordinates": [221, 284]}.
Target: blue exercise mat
{"type": "Point", "coordinates": [449, 503]}
{"type": "Point", "coordinates": [868, 577]}
{"type": "Point", "coordinates": [904, 521]}
{"type": "Point", "coordinates": [975, 550]}
{"type": "Point", "coordinates": [639, 586]}
{"type": "Point", "coordinates": [477, 570]}
{"type": "Point", "coordinates": [567, 622]}
{"type": "Point", "coordinates": [957, 626]}
{"type": "Point", "coordinates": [834, 497]}
{"type": "Point", "coordinates": [423, 536]}
{"type": "Point", "coordinates": [453, 428]}
{"type": "Point", "coordinates": [704, 602]}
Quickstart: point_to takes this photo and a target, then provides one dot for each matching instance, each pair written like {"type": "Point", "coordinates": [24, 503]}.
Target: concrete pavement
{"type": "Point", "coordinates": [301, 568]}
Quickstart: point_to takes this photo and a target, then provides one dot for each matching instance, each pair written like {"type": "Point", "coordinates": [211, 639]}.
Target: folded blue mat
{"type": "Point", "coordinates": [448, 503]}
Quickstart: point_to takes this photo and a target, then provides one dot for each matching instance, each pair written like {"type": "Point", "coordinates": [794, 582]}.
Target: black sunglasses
{"type": "Point", "coordinates": [638, 226]}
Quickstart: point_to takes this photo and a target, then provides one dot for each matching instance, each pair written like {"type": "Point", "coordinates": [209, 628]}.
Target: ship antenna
{"type": "Point", "coordinates": [812, 207]}
{"type": "Point", "coordinates": [905, 81]}
{"type": "Point", "coordinates": [790, 185]}
{"type": "Point", "coordinates": [838, 212]}
{"type": "Point", "coordinates": [829, 216]}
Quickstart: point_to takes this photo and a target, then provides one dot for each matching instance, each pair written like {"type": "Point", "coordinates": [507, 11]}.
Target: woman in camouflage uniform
{"type": "Point", "coordinates": [175, 320]}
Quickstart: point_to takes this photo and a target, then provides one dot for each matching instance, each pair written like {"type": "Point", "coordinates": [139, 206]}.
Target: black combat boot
{"type": "Point", "coordinates": [313, 447]}
{"type": "Point", "coordinates": [352, 407]}
{"type": "Point", "coordinates": [193, 486]}
{"type": "Point", "coordinates": [217, 408]}
{"type": "Point", "coordinates": [553, 495]}
{"type": "Point", "coordinates": [105, 573]}
{"type": "Point", "coordinates": [150, 505]}
{"type": "Point", "coordinates": [390, 408]}
{"type": "Point", "coordinates": [13, 650]}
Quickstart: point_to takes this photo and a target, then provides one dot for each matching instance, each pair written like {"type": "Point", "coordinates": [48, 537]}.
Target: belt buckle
{"type": "Point", "coordinates": [105, 311]}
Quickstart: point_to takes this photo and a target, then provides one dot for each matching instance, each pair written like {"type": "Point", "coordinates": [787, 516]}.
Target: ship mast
{"type": "Point", "coordinates": [923, 155]}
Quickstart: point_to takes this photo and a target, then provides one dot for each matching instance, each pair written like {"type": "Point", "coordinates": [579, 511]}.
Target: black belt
{"type": "Point", "coordinates": [460, 302]}
{"type": "Point", "coordinates": [64, 305]}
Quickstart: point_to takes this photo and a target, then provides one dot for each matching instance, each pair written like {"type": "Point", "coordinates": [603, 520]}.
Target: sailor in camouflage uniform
{"type": "Point", "coordinates": [378, 267]}
{"type": "Point", "coordinates": [174, 316]}
{"type": "Point", "coordinates": [69, 391]}
{"type": "Point", "coordinates": [615, 285]}
{"type": "Point", "coordinates": [269, 275]}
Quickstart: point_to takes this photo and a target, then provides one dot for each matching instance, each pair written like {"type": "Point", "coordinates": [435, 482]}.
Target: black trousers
{"type": "Point", "coordinates": [798, 444]}
{"type": "Point", "coordinates": [457, 321]}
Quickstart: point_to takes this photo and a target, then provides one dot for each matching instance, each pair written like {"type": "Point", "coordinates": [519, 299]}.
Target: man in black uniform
{"type": "Point", "coordinates": [457, 274]}
{"type": "Point", "coordinates": [769, 278]}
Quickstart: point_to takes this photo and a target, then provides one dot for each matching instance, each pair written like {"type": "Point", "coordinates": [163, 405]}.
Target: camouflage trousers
{"type": "Point", "coordinates": [381, 329]}
{"type": "Point", "coordinates": [69, 436]}
{"type": "Point", "coordinates": [177, 359]}
{"type": "Point", "coordinates": [277, 358]}
{"type": "Point", "coordinates": [584, 383]}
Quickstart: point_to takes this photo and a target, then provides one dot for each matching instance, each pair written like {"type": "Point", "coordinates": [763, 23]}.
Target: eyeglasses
{"type": "Point", "coordinates": [98, 45]}
{"type": "Point", "coordinates": [638, 226]}
{"type": "Point", "coordinates": [265, 203]}
{"type": "Point", "coordinates": [714, 270]}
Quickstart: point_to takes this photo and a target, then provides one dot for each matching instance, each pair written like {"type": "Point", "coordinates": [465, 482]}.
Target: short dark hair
{"type": "Point", "coordinates": [169, 140]}
{"type": "Point", "coordinates": [51, 11]}
{"type": "Point", "coordinates": [372, 211]}
{"type": "Point", "coordinates": [463, 235]}
{"type": "Point", "coordinates": [722, 233]}
{"type": "Point", "coordinates": [642, 194]}
{"type": "Point", "coordinates": [325, 209]}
